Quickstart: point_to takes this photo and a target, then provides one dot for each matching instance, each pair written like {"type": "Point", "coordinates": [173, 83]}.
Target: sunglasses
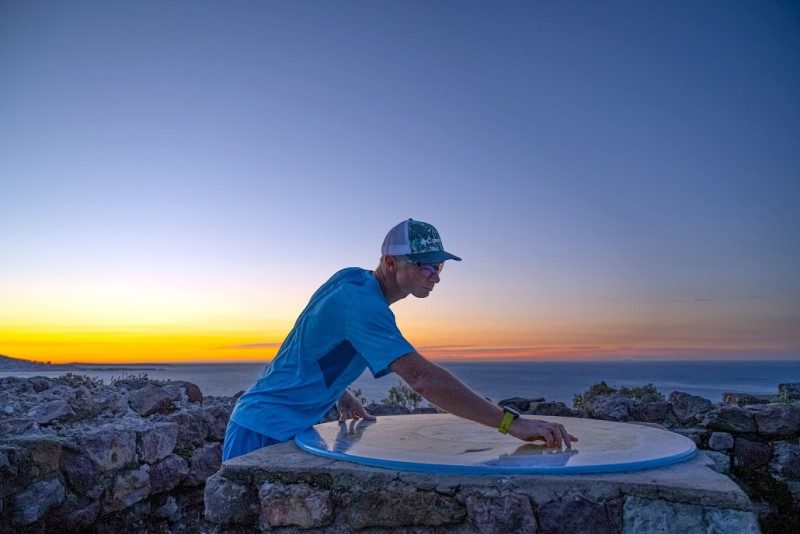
{"type": "Point", "coordinates": [427, 269]}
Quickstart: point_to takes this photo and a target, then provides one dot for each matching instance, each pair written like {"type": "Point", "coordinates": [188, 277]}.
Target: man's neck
{"type": "Point", "coordinates": [389, 288]}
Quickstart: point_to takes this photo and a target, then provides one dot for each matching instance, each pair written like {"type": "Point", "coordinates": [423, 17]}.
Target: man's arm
{"type": "Point", "coordinates": [444, 390]}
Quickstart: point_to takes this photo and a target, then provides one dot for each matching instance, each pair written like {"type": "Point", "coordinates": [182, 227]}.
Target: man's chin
{"type": "Point", "coordinates": [422, 293]}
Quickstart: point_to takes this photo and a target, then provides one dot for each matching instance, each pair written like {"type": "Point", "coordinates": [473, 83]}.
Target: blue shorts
{"type": "Point", "coordinates": [240, 440]}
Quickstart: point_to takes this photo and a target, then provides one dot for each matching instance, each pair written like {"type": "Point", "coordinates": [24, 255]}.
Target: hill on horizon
{"type": "Point", "coordinates": [7, 363]}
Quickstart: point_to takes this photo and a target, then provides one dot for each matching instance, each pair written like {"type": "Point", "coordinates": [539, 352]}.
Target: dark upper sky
{"type": "Point", "coordinates": [617, 175]}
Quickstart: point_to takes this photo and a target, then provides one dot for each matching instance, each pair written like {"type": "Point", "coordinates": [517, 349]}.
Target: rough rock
{"type": "Point", "coordinates": [78, 518]}
{"type": "Point", "coordinates": [84, 404]}
{"type": "Point", "coordinates": [227, 502]}
{"type": "Point", "coordinates": [156, 442]}
{"type": "Point", "coordinates": [109, 447]}
{"type": "Point", "coordinates": [778, 420]}
{"type": "Point", "coordinates": [176, 394]}
{"type": "Point", "coordinates": [36, 456]}
{"type": "Point", "coordinates": [192, 428]}
{"type": "Point", "coordinates": [16, 425]}
{"type": "Point", "coordinates": [498, 515]}
{"type": "Point", "coordinates": [40, 383]}
{"type": "Point", "coordinates": [105, 466]}
{"type": "Point", "coordinates": [57, 410]}
{"type": "Point", "coordinates": [785, 460]}
{"type": "Point", "coordinates": [168, 509]}
{"type": "Point", "coordinates": [645, 515]}
{"type": "Point", "coordinates": [722, 462]}
{"type": "Point", "coordinates": [167, 474]}
{"type": "Point", "coordinates": [688, 408]}
{"type": "Point", "coordinates": [726, 521]}
{"type": "Point", "coordinates": [192, 391]}
{"type": "Point", "coordinates": [720, 441]}
{"type": "Point", "coordinates": [751, 454]}
{"type": "Point", "coordinates": [204, 463]}
{"type": "Point", "coordinates": [38, 499]}
{"type": "Point", "coordinates": [113, 402]}
{"type": "Point", "coordinates": [398, 504]}
{"type": "Point", "coordinates": [215, 419]}
{"type": "Point", "coordinates": [613, 407]}
{"type": "Point", "coordinates": [149, 399]}
{"type": "Point", "coordinates": [296, 505]}
{"type": "Point", "coordinates": [656, 412]}
{"type": "Point", "coordinates": [744, 399]}
{"type": "Point", "coordinates": [577, 514]}
{"type": "Point", "coordinates": [558, 409]}
{"type": "Point", "coordinates": [133, 383]}
{"type": "Point", "coordinates": [519, 403]}
{"type": "Point", "coordinates": [128, 488]}
{"type": "Point", "coordinates": [80, 472]}
{"type": "Point", "coordinates": [790, 391]}
{"type": "Point", "coordinates": [729, 419]}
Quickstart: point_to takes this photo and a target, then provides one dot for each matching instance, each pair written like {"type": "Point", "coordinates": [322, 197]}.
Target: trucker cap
{"type": "Point", "coordinates": [416, 240]}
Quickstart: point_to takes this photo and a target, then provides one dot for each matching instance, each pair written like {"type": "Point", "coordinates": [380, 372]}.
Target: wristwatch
{"type": "Point", "coordinates": [509, 414]}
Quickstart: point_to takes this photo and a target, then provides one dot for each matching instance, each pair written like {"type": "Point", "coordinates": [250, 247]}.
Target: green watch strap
{"type": "Point", "coordinates": [508, 418]}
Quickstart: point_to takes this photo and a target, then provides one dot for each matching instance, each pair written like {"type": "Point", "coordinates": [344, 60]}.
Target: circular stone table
{"type": "Point", "coordinates": [444, 443]}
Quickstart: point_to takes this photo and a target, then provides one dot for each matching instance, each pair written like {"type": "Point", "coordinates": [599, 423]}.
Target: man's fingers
{"type": "Point", "coordinates": [557, 437]}
{"type": "Point", "coordinates": [548, 436]}
{"type": "Point", "coordinates": [564, 436]}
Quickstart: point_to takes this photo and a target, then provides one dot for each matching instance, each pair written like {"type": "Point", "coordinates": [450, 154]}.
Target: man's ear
{"type": "Point", "coordinates": [390, 262]}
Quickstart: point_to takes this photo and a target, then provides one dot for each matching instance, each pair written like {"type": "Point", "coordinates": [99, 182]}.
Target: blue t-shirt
{"type": "Point", "coordinates": [345, 328]}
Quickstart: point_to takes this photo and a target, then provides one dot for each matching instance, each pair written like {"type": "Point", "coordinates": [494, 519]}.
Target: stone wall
{"type": "Point", "coordinates": [135, 454]}
{"type": "Point", "coordinates": [754, 439]}
{"type": "Point", "coordinates": [77, 454]}
{"type": "Point", "coordinates": [284, 489]}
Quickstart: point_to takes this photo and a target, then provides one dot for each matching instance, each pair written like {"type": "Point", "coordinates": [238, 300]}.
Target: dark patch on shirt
{"type": "Point", "coordinates": [334, 363]}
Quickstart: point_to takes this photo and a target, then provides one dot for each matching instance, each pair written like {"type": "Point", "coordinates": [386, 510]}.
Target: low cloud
{"type": "Point", "coordinates": [692, 299]}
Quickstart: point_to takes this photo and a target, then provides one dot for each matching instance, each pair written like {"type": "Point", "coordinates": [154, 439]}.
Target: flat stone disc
{"type": "Point", "coordinates": [444, 443]}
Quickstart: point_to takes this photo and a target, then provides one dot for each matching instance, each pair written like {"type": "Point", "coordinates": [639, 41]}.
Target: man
{"type": "Point", "coordinates": [347, 327]}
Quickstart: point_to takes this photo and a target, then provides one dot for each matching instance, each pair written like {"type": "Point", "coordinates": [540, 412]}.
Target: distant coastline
{"type": "Point", "coordinates": [9, 364]}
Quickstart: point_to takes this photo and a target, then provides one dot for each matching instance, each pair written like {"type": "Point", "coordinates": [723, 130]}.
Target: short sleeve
{"type": "Point", "coordinates": [372, 330]}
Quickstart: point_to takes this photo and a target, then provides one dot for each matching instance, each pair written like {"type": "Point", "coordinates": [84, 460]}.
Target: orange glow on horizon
{"type": "Point", "coordinates": [116, 346]}
{"type": "Point", "coordinates": [125, 347]}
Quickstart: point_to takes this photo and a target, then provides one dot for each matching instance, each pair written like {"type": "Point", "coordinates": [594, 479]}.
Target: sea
{"type": "Point", "coordinates": [497, 380]}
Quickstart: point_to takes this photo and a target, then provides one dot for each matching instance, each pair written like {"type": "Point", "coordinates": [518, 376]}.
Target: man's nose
{"type": "Point", "coordinates": [435, 277]}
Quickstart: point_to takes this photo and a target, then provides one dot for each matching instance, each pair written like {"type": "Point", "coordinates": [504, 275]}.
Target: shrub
{"type": "Point", "coordinates": [640, 394]}
{"type": "Point", "coordinates": [75, 380]}
{"type": "Point", "coordinates": [402, 395]}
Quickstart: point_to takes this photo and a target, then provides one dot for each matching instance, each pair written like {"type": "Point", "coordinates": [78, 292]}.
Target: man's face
{"type": "Point", "coordinates": [417, 280]}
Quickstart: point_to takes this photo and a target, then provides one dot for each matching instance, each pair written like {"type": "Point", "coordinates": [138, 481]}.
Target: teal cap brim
{"type": "Point", "coordinates": [434, 256]}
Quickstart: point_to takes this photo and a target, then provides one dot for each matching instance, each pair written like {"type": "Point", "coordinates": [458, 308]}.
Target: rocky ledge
{"type": "Point", "coordinates": [77, 454]}
{"type": "Point", "coordinates": [754, 439]}
{"type": "Point", "coordinates": [284, 489]}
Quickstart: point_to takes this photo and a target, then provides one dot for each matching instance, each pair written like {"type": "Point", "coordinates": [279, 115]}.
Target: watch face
{"type": "Point", "coordinates": [512, 411]}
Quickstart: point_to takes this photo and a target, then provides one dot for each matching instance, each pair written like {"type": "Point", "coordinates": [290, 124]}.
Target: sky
{"type": "Point", "coordinates": [621, 179]}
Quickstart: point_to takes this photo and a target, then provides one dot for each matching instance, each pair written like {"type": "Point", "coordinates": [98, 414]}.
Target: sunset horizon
{"type": "Point", "coordinates": [620, 181]}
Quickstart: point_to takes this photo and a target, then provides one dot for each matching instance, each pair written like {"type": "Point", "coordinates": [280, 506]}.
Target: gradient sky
{"type": "Point", "coordinates": [622, 179]}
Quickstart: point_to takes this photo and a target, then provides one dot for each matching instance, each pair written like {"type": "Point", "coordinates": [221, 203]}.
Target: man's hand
{"type": "Point", "coordinates": [554, 434]}
{"type": "Point", "coordinates": [351, 408]}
